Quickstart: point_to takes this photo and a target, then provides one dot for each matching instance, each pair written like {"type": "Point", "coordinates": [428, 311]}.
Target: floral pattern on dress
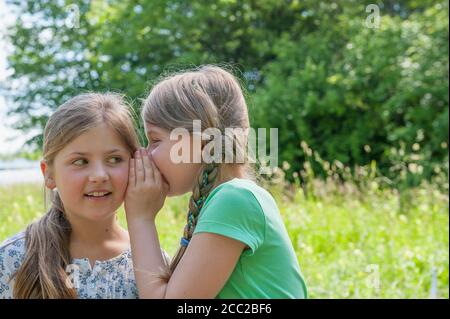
{"type": "Point", "coordinates": [109, 279]}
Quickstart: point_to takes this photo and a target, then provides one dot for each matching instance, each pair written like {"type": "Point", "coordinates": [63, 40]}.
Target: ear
{"type": "Point", "coordinates": [48, 177]}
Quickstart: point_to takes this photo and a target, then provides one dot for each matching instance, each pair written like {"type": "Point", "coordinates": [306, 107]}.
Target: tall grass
{"type": "Point", "coordinates": [354, 235]}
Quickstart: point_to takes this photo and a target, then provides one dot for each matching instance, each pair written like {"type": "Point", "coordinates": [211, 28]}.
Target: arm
{"type": "Point", "coordinates": [147, 258]}
{"type": "Point", "coordinates": [202, 272]}
{"type": "Point", "coordinates": [208, 261]}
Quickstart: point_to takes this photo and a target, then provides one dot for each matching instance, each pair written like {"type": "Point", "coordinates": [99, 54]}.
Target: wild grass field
{"type": "Point", "coordinates": [351, 242]}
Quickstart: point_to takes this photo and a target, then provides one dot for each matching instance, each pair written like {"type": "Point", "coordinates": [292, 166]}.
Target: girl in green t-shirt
{"type": "Point", "coordinates": [234, 244]}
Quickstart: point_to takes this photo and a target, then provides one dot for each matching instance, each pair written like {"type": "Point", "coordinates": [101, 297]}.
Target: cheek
{"type": "Point", "coordinates": [169, 170]}
{"type": "Point", "coordinates": [162, 159]}
{"type": "Point", "coordinates": [184, 177]}
{"type": "Point", "coordinates": [76, 179]}
{"type": "Point", "coordinates": [120, 175]}
{"type": "Point", "coordinates": [180, 176]}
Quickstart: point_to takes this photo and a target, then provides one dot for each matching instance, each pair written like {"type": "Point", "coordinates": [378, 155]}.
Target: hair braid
{"type": "Point", "coordinates": [205, 183]}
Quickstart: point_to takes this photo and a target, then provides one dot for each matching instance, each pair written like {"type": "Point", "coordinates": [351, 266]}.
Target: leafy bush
{"type": "Point", "coordinates": [357, 94]}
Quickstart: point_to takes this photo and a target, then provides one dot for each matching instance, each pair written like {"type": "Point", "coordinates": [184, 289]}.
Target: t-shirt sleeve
{"type": "Point", "coordinates": [235, 213]}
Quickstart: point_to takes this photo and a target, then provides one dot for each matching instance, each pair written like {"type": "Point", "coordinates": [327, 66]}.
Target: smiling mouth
{"type": "Point", "coordinates": [97, 195]}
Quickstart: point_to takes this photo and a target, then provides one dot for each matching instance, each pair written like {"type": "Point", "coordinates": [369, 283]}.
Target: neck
{"type": "Point", "coordinates": [89, 233]}
{"type": "Point", "coordinates": [228, 172]}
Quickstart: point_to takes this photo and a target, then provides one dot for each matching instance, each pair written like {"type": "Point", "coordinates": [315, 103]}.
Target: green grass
{"type": "Point", "coordinates": [350, 243]}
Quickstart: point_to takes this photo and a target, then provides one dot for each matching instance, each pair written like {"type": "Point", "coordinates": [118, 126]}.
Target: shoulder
{"type": "Point", "coordinates": [12, 252]}
{"type": "Point", "coordinates": [14, 243]}
{"type": "Point", "coordinates": [233, 210]}
{"type": "Point", "coordinates": [240, 195]}
{"type": "Point", "coordinates": [237, 193]}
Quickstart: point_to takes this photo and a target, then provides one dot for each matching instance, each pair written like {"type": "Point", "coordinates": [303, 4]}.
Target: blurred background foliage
{"type": "Point", "coordinates": [340, 92]}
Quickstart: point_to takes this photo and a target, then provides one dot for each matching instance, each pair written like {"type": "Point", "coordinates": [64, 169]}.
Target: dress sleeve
{"type": "Point", "coordinates": [11, 257]}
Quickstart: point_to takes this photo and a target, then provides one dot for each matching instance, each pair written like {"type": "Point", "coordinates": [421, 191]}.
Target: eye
{"type": "Point", "coordinates": [115, 160]}
{"type": "Point", "coordinates": [154, 141]}
{"type": "Point", "coordinates": [79, 162]}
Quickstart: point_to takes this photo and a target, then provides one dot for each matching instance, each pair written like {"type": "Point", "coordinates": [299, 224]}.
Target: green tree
{"type": "Point", "coordinates": [356, 94]}
{"type": "Point", "coordinates": [313, 69]}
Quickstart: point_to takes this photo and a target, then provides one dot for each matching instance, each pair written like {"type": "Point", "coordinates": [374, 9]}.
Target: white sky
{"type": "Point", "coordinates": [10, 140]}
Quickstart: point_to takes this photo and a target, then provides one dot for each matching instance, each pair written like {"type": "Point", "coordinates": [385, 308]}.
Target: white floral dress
{"type": "Point", "coordinates": [109, 279]}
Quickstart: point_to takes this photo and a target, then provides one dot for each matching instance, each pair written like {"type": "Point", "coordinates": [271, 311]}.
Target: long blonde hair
{"type": "Point", "coordinates": [43, 271]}
{"type": "Point", "coordinates": [213, 96]}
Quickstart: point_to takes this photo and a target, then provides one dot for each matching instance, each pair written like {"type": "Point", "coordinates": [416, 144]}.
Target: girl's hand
{"type": "Point", "coordinates": [146, 189]}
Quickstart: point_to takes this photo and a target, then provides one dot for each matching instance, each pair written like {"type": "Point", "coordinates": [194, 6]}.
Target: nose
{"type": "Point", "coordinates": [98, 174]}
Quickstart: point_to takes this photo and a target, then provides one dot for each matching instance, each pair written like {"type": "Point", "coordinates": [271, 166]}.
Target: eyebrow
{"type": "Point", "coordinates": [84, 154]}
{"type": "Point", "coordinates": [152, 130]}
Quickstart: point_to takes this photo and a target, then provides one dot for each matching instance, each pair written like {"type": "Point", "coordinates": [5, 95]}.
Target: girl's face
{"type": "Point", "coordinates": [179, 176]}
{"type": "Point", "coordinates": [91, 174]}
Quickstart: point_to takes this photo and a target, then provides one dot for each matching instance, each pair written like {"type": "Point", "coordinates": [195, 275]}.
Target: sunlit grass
{"type": "Point", "coordinates": [350, 243]}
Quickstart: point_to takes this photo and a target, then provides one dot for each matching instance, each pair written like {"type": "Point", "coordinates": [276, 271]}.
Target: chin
{"type": "Point", "coordinates": [101, 216]}
{"type": "Point", "coordinates": [173, 193]}
{"type": "Point", "coordinates": [177, 191]}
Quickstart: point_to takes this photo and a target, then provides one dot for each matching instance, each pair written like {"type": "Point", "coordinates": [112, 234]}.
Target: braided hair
{"type": "Point", "coordinates": [203, 187]}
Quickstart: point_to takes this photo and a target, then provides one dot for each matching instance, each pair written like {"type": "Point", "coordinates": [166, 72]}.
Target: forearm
{"type": "Point", "coordinates": [147, 257]}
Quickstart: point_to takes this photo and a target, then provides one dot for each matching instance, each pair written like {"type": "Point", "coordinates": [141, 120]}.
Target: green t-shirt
{"type": "Point", "coordinates": [244, 211]}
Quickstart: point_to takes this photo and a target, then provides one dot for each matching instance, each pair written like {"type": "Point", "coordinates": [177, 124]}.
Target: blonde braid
{"type": "Point", "coordinates": [203, 187]}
